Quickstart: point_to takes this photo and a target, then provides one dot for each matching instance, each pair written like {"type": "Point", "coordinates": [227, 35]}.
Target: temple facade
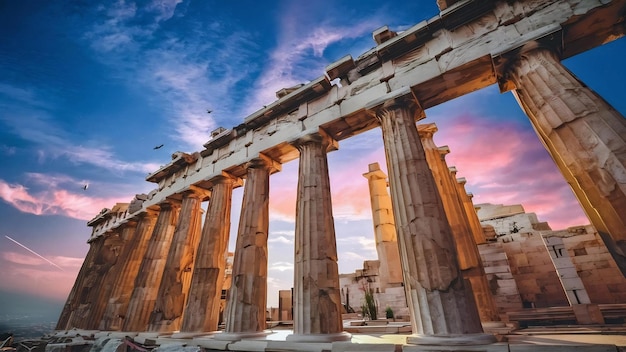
{"type": "Point", "coordinates": [152, 266]}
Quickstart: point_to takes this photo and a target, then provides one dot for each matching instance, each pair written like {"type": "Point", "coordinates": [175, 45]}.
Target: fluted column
{"type": "Point", "coordinates": [117, 260]}
{"type": "Point", "coordinates": [94, 282]}
{"type": "Point", "coordinates": [467, 251]}
{"type": "Point", "coordinates": [148, 279]}
{"type": "Point", "coordinates": [95, 246]}
{"type": "Point", "coordinates": [203, 305]}
{"type": "Point", "coordinates": [130, 260]}
{"type": "Point", "coordinates": [442, 309]}
{"type": "Point", "coordinates": [585, 136]}
{"type": "Point", "coordinates": [468, 207]}
{"type": "Point", "coordinates": [317, 299]}
{"type": "Point", "coordinates": [247, 298]}
{"type": "Point", "coordinates": [170, 302]}
{"type": "Point", "coordinates": [384, 226]}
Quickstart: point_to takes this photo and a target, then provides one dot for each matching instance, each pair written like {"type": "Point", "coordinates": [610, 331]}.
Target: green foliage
{"type": "Point", "coordinates": [389, 313]}
{"type": "Point", "coordinates": [369, 308]}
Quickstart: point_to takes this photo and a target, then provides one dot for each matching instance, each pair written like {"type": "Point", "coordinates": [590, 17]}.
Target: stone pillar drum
{"type": "Point", "coordinates": [384, 226]}
{"type": "Point", "coordinates": [203, 305]}
{"type": "Point", "coordinates": [130, 260]}
{"type": "Point", "coordinates": [95, 246]}
{"type": "Point", "coordinates": [441, 307]}
{"type": "Point", "coordinates": [317, 298]}
{"type": "Point", "coordinates": [99, 304]}
{"type": "Point", "coordinates": [467, 251]}
{"type": "Point", "coordinates": [470, 211]}
{"type": "Point", "coordinates": [150, 273]}
{"type": "Point", "coordinates": [94, 282]}
{"type": "Point", "coordinates": [168, 309]}
{"type": "Point", "coordinates": [247, 298]}
{"type": "Point", "coordinates": [585, 136]}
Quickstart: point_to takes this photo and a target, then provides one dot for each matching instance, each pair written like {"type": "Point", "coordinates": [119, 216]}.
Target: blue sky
{"type": "Point", "coordinates": [88, 88]}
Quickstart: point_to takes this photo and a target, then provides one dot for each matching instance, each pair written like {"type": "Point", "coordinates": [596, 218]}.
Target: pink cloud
{"type": "Point", "coordinates": [53, 201]}
{"type": "Point", "coordinates": [29, 275]}
{"type": "Point", "coordinates": [506, 163]}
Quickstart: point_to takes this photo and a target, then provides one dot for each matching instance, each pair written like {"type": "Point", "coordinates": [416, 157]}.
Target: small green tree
{"type": "Point", "coordinates": [389, 313]}
{"type": "Point", "coordinates": [370, 305]}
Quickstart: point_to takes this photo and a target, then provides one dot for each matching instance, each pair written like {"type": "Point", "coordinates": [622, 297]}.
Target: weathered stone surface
{"type": "Point", "coordinates": [168, 309]}
{"type": "Point", "coordinates": [438, 301]}
{"type": "Point", "coordinates": [131, 258]}
{"type": "Point", "coordinates": [150, 273]}
{"type": "Point", "coordinates": [384, 227]}
{"type": "Point", "coordinates": [584, 135]}
{"type": "Point", "coordinates": [317, 301]}
{"type": "Point", "coordinates": [247, 298]}
{"type": "Point", "coordinates": [203, 306]}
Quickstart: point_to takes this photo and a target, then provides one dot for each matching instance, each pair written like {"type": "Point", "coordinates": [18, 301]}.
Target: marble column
{"type": "Point", "coordinates": [384, 227]}
{"type": "Point", "coordinates": [317, 299]}
{"type": "Point", "coordinates": [467, 251]}
{"type": "Point", "coordinates": [167, 314]}
{"type": "Point", "coordinates": [585, 136]}
{"type": "Point", "coordinates": [95, 246]}
{"type": "Point", "coordinates": [94, 281]}
{"type": "Point", "coordinates": [247, 298]}
{"type": "Point", "coordinates": [203, 305]}
{"type": "Point", "coordinates": [441, 306]}
{"type": "Point", "coordinates": [148, 279]}
{"type": "Point", "coordinates": [130, 259]}
{"type": "Point", "coordinates": [108, 281]}
{"type": "Point", "coordinates": [470, 211]}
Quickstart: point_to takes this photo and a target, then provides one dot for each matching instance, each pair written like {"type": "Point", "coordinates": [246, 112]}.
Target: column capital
{"type": "Point", "coordinates": [199, 192]}
{"type": "Point", "coordinates": [226, 177]}
{"type": "Point", "coordinates": [461, 180]}
{"type": "Point", "coordinates": [427, 131]}
{"type": "Point", "coordinates": [375, 173]}
{"type": "Point", "coordinates": [401, 98]}
{"type": "Point", "coordinates": [452, 170]}
{"type": "Point", "coordinates": [319, 137]}
{"type": "Point", "coordinates": [264, 162]}
{"type": "Point", "coordinates": [508, 62]}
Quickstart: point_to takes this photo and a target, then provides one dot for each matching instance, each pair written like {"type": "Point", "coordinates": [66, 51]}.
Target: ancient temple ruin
{"type": "Point", "coordinates": [140, 275]}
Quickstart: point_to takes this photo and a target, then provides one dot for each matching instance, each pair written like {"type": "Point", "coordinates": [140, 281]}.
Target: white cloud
{"type": "Point", "coordinates": [281, 266]}
{"type": "Point", "coordinates": [280, 239]}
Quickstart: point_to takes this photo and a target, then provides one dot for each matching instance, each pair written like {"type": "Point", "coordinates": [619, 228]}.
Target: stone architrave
{"type": "Point", "coordinates": [467, 251]}
{"type": "Point", "coordinates": [247, 297]}
{"type": "Point", "coordinates": [585, 136]}
{"type": "Point", "coordinates": [441, 306]}
{"type": "Point", "coordinates": [384, 226]}
{"type": "Point", "coordinates": [148, 279]}
{"type": "Point", "coordinates": [167, 314]}
{"type": "Point", "coordinates": [95, 246]}
{"type": "Point", "coordinates": [131, 258]}
{"type": "Point", "coordinates": [317, 299]}
{"type": "Point", "coordinates": [203, 305]}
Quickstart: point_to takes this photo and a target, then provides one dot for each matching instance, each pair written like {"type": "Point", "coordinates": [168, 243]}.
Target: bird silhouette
{"type": "Point", "coordinates": [209, 111]}
{"type": "Point", "coordinates": [85, 186]}
{"type": "Point", "coordinates": [158, 147]}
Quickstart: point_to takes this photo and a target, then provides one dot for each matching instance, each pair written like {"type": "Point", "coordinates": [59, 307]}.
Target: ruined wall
{"type": "Point", "coordinates": [594, 264]}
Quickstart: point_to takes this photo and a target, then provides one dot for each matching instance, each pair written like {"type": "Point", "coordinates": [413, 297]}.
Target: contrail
{"type": "Point", "coordinates": [33, 252]}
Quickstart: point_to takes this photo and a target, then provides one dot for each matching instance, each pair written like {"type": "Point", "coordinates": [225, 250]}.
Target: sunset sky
{"type": "Point", "coordinates": [88, 88]}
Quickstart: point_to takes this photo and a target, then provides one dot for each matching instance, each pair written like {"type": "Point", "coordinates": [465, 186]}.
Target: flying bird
{"type": "Point", "coordinates": [209, 111]}
{"type": "Point", "coordinates": [158, 147]}
{"type": "Point", "coordinates": [85, 186]}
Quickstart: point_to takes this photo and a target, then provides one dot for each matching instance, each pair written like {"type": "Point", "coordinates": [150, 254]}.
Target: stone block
{"type": "Point", "coordinates": [495, 347]}
{"type": "Point", "coordinates": [358, 347]}
{"type": "Point", "coordinates": [561, 348]}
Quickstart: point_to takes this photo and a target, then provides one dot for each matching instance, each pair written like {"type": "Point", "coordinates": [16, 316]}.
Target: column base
{"type": "Point", "coordinates": [340, 336]}
{"type": "Point", "coordinates": [451, 340]}
{"type": "Point", "coordinates": [236, 336]}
